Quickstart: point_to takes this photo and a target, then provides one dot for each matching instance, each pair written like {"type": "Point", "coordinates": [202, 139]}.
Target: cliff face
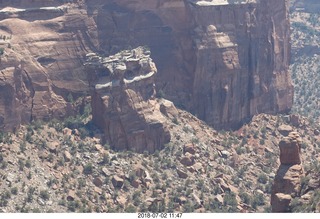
{"type": "Point", "coordinates": [242, 55]}
{"type": "Point", "coordinates": [220, 60]}
{"type": "Point", "coordinates": [42, 61]}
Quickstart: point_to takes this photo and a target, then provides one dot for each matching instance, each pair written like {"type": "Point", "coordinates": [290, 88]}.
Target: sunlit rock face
{"type": "Point", "coordinates": [222, 60]}
{"type": "Point", "coordinates": [124, 105]}
{"type": "Point", "coordinates": [242, 57]}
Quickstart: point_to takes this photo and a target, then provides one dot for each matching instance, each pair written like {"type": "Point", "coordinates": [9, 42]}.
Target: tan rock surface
{"type": "Point", "coordinates": [67, 156]}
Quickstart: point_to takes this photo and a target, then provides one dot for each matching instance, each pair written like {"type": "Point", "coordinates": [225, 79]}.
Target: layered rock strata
{"type": "Point", "coordinates": [43, 44]}
{"type": "Point", "coordinates": [123, 101]}
{"type": "Point", "coordinates": [287, 183]}
{"type": "Point", "coordinates": [224, 61]}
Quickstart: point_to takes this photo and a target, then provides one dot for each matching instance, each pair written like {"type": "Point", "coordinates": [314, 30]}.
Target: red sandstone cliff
{"type": "Point", "coordinates": [222, 62]}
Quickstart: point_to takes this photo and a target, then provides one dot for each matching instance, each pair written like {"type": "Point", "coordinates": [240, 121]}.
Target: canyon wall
{"type": "Point", "coordinates": [223, 61]}
{"type": "Point", "coordinates": [42, 62]}
{"type": "Point", "coordinates": [242, 57]}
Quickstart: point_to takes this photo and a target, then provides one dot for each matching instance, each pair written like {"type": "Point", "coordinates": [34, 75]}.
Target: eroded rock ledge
{"type": "Point", "coordinates": [124, 105]}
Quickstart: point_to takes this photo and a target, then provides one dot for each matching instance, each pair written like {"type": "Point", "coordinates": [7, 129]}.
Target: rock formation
{"type": "Point", "coordinates": [123, 101]}
{"type": "Point", "coordinates": [225, 60]}
{"type": "Point", "coordinates": [42, 60]}
{"type": "Point", "coordinates": [287, 182]}
{"type": "Point", "coordinates": [221, 60]}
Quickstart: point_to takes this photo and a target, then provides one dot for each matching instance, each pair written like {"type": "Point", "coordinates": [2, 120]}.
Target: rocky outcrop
{"type": "Point", "coordinates": [221, 60]}
{"type": "Point", "coordinates": [285, 129]}
{"type": "Point", "coordinates": [287, 183]}
{"type": "Point", "coordinates": [42, 61]}
{"type": "Point", "coordinates": [123, 101]}
{"type": "Point", "coordinates": [290, 148]}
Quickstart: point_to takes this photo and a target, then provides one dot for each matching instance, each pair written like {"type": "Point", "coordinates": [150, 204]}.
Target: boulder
{"type": "Point", "coordinates": [136, 183]}
{"type": "Point", "coordinates": [219, 199]}
{"type": "Point", "coordinates": [295, 120]}
{"type": "Point", "coordinates": [139, 170]}
{"type": "Point", "coordinates": [198, 168]}
{"type": "Point", "coordinates": [281, 203]}
{"type": "Point", "coordinates": [55, 187]}
{"type": "Point", "coordinates": [187, 159]}
{"type": "Point", "coordinates": [98, 190]}
{"type": "Point", "coordinates": [285, 129]}
{"type": "Point", "coordinates": [147, 177]}
{"type": "Point", "coordinates": [99, 148]}
{"type": "Point", "coordinates": [121, 200]}
{"type": "Point", "coordinates": [225, 154]}
{"type": "Point", "coordinates": [71, 195]}
{"type": "Point", "coordinates": [190, 148]}
{"type": "Point", "coordinates": [197, 200]}
{"type": "Point", "coordinates": [67, 156]}
{"type": "Point", "coordinates": [105, 171]}
{"type": "Point", "coordinates": [97, 181]}
{"type": "Point", "coordinates": [10, 178]}
{"type": "Point", "coordinates": [290, 148]}
{"type": "Point", "coordinates": [117, 181]}
{"type": "Point", "coordinates": [168, 109]}
{"type": "Point", "coordinates": [67, 131]}
{"type": "Point", "coordinates": [182, 174]}
{"type": "Point", "coordinates": [53, 147]}
{"type": "Point", "coordinates": [191, 169]}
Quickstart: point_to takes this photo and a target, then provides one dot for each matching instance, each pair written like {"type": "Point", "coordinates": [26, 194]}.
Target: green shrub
{"type": "Point", "coordinates": [88, 169]}
{"type": "Point", "coordinates": [130, 209]}
{"type": "Point", "coordinates": [258, 200]}
{"type": "Point", "coordinates": [229, 199]}
{"type": "Point", "coordinates": [14, 191]}
{"type": "Point", "coordinates": [245, 197]}
{"type": "Point", "coordinates": [263, 178]}
{"type": "Point", "coordinates": [44, 194]}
